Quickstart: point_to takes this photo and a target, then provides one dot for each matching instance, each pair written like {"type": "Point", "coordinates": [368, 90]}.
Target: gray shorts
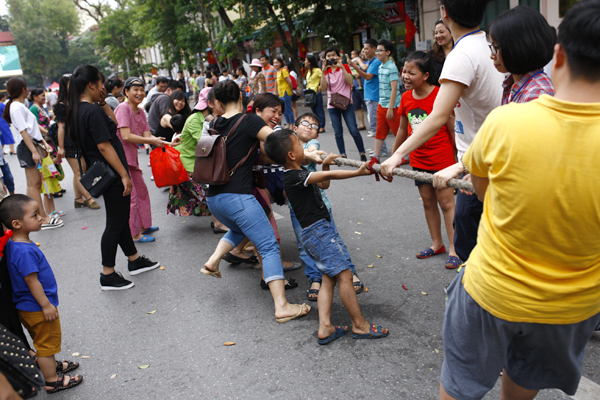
{"type": "Point", "coordinates": [478, 346]}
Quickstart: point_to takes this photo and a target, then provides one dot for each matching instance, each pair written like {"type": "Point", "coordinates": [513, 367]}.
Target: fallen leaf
{"type": "Point", "coordinates": [151, 312]}
{"type": "Point", "coordinates": [370, 266]}
{"type": "Point", "coordinates": [161, 267]}
{"type": "Point", "coordinates": [424, 293]}
{"type": "Point", "coordinates": [85, 227]}
{"type": "Point", "coordinates": [404, 287]}
{"type": "Point", "coordinates": [366, 289]}
{"type": "Point", "coordinates": [38, 244]}
{"type": "Point", "coordinates": [436, 350]}
{"type": "Point", "coordinates": [358, 233]}
{"type": "Point", "coordinates": [359, 223]}
{"type": "Point", "coordinates": [113, 376]}
{"type": "Point", "coordinates": [228, 343]}
{"type": "Point", "coordinates": [358, 248]}
{"type": "Point", "coordinates": [362, 199]}
{"type": "Point", "coordinates": [378, 256]}
{"type": "Point", "coordinates": [420, 198]}
{"type": "Point", "coordinates": [183, 222]}
{"type": "Point", "coordinates": [143, 366]}
{"type": "Point", "coordinates": [75, 354]}
{"type": "Point", "coordinates": [85, 356]}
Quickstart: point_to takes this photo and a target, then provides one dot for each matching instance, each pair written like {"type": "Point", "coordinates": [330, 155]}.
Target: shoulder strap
{"type": "Point", "coordinates": [243, 160]}
{"type": "Point", "coordinates": [235, 126]}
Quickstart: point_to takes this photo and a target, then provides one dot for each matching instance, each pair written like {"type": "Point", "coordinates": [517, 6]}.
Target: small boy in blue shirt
{"type": "Point", "coordinates": [306, 129]}
{"type": "Point", "coordinates": [319, 235]}
{"type": "Point", "coordinates": [35, 292]}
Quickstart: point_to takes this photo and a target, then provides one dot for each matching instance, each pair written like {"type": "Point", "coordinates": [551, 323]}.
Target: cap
{"type": "Point", "coordinates": [201, 104]}
{"type": "Point", "coordinates": [133, 81]}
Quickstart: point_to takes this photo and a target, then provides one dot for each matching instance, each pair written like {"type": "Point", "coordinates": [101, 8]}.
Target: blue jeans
{"type": "Point", "coordinates": [244, 217]}
{"type": "Point", "coordinates": [372, 111]}
{"type": "Point", "coordinates": [467, 215]}
{"type": "Point", "coordinates": [336, 120]}
{"type": "Point", "coordinates": [8, 179]}
{"type": "Point", "coordinates": [288, 113]}
{"type": "Point", "coordinates": [318, 110]}
{"type": "Point", "coordinates": [310, 266]}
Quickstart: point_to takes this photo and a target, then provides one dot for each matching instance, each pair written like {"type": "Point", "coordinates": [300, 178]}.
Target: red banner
{"type": "Point", "coordinates": [210, 57]}
{"type": "Point", "coordinates": [394, 12]}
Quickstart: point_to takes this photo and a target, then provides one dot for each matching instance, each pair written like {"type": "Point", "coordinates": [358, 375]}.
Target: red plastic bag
{"type": "Point", "coordinates": [167, 167]}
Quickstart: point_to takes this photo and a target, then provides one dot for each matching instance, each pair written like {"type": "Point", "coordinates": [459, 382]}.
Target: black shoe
{"type": "Point", "coordinates": [363, 158]}
{"type": "Point", "coordinates": [216, 230]}
{"type": "Point", "coordinates": [230, 258]}
{"type": "Point", "coordinates": [290, 285]}
{"type": "Point", "coordinates": [114, 281]}
{"type": "Point", "coordinates": [142, 264]}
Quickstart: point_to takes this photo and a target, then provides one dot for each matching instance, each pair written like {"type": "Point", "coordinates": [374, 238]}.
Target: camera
{"type": "Point", "coordinates": [331, 62]}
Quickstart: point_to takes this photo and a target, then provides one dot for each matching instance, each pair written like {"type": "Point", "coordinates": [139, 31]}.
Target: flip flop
{"type": "Point", "coordinates": [339, 332]}
{"type": "Point", "coordinates": [150, 230]}
{"type": "Point", "coordinates": [287, 319]}
{"type": "Point", "coordinates": [216, 274]}
{"type": "Point", "coordinates": [295, 265]}
{"type": "Point", "coordinates": [145, 239]}
{"type": "Point", "coordinates": [376, 332]}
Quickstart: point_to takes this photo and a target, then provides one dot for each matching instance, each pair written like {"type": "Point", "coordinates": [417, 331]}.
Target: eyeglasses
{"type": "Point", "coordinates": [308, 124]}
{"type": "Point", "coordinates": [494, 49]}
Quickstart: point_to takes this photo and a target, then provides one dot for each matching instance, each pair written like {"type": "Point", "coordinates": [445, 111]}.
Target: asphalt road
{"type": "Point", "coordinates": [182, 341]}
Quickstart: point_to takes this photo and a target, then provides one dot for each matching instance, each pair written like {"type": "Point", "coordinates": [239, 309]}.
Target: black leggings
{"type": "Point", "coordinates": [117, 232]}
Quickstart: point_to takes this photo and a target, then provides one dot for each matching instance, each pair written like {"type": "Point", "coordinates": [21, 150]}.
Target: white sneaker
{"type": "Point", "coordinates": [371, 134]}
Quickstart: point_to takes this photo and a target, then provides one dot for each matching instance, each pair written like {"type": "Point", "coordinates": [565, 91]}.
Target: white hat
{"type": "Point", "coordinates": [255, 63]}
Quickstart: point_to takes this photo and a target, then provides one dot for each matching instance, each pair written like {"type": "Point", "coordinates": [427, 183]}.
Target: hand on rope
{"type": "Point", "coordinates": [374, 161]}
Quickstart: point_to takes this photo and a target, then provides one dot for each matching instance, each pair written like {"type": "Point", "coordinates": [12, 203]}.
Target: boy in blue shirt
{"type": "Point", "coordinates": [35, 292]}
{"type": "Point", "coordinates": [319, 234]}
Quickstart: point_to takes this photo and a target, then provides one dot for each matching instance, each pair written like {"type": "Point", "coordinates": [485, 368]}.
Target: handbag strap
{"type": "Point", "coordinates": [235, 126]}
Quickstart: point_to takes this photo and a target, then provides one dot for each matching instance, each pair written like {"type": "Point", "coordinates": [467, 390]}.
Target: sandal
{"type": "Point", "coordinates": [145, 239]}
{"type": "Point", "coordinates": [55, 222]}
{"type": "Point", "coordinates": [57, 214]}
{"type": "Point", "coordinates": [93, 205]}
{"type": "Point", "coordinates": [358, 284]}
{"type": "Point", "coordinates": [453, 262]}
{"type": "Point", "coordinates": [295, 265]}
{"type": "Point", "coordinates": [291, 283]}
{"type": "Point", "coordinates": [62, 384]}
{"type": "Point", "coordinates": [375, 332]}
{"type": "Point", "coordinates": [429, 252]}
{"type": "Point", "coordinates": [71, 366]}
{"type": "Point", "coordinates": [206, 271]}
{"type": "Point", "coordinates": [313, 291]}
{"type": "Point", "coordinates": [230, 258]}
{"type": "Point", "coordinates": [301, 313]}
{"type": "Point", "coordinates": [150, 230]}
{"type": "Point", "coordinates": [339, 332]}
{"type": "Point", "coordinates": [57, 195]}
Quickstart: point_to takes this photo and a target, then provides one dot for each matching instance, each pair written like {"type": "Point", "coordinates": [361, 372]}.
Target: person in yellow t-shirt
{"type": "Point", "coordinates": [284, 86]}
{"type": "Point", "coordinates": [529, 299]}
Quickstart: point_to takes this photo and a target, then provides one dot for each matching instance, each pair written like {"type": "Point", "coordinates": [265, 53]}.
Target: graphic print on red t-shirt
{"type": "Point", "coordinates": [437, 153]}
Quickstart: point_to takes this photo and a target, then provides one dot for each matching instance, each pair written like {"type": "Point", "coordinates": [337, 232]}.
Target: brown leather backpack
{"type": "Point", "coordinates": [211, 157]}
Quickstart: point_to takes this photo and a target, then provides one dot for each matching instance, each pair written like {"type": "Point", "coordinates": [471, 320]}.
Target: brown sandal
{"type": "Point", "coordinates": [62, 384]}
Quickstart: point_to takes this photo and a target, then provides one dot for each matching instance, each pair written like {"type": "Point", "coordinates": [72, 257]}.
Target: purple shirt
{"type": "Point", "coordinates": [137, 123]}
{"type": "Point", "coordinates": [336, 83]}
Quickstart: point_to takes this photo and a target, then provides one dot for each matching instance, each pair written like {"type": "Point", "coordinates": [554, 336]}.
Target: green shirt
{"type": "Point", "coordinates": [189, 139]}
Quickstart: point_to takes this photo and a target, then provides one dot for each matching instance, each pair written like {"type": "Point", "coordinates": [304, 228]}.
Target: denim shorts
{"type": "Point", "coordinates": [320, 242]}
{"type": "Point", "coordinates": [478, 346]}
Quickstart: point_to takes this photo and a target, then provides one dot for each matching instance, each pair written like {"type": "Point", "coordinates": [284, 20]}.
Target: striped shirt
{"type": "Point", "coordinates": [270, 74]}
{"type": "Point", "coordinates": [531, 86]}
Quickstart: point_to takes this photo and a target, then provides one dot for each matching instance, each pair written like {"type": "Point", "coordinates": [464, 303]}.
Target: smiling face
{"type": "Point", "coordinates": [264, 62]}
{"type": "Point", "coordinates": [277, 64]}
{"type": "Point", "coordinates": [369, 51]}
{"type": "Point", "coordinates": [497, 58]}
{"type": "Point", "coordinates": [271, 115]}
{"type": "Point", "coordinates": [31, 220]}
{"type": "Point", "coordinates": [307, 130]}
{"type": "Point", "coordinates": [412, 77]}
{"type": "Point", "coordinates": [135, 95]}
{"type": "Point", "coordinates": [178, 104]}
{"type": "Point", "coordinates": [161, 87]}
{"type": "Point", "coordinates": [442, 35]}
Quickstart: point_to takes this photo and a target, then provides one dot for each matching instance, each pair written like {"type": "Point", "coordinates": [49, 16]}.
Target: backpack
{"type": "Point", "coordinates": [211, 166]}
{"type": "Point", "coordinates": [294, 83]}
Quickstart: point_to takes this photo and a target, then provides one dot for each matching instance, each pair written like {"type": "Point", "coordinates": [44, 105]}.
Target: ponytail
{"type": "Point", "coordinates": [14, 87]}
{"type": "Point", "coordinates": [81, 77]}
{"type": "Point", "coordinates": [227, 92]}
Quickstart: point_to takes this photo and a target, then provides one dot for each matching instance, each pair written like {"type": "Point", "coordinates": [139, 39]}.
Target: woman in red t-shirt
{"type": "Point", "coordinates": [419, 78]}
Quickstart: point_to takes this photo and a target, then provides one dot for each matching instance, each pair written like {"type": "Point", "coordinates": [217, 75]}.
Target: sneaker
{"type": "Point", "coordinates": [371, 134]}
{"type": "Point", "coordinates": [142, 264]}
{"type": "Point", "coordinates": [384, 153]}
{"type": "Point", "coordinates": [370, 153]}
{"type": "Point", "coordinates": [114, 281]}
{"type": "Point", "coordinates": [363, 158]}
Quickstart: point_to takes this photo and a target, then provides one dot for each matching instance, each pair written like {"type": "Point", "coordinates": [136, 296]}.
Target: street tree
{"type": "Point", "coordinates": [41, 29]}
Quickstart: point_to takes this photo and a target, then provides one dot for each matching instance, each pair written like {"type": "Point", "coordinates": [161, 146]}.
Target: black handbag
{"type": "Point", "coordinates": [17, 366]}
{"type": "Point", "coordinates": [310, 98]}
{"type": "Point", "coordinates": [99, 177]}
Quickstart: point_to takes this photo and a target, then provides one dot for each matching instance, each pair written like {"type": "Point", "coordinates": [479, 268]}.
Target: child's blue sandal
{"type": "Point", "coordinates": [145, 239]}
{"type": "Point", "coordinates": [339, 332]}
{"type": "Point", "coordinates": [150, 230]}
{"type": "Point", "coordinates": [375, 332]}
{"type": "Point", "coordinates": [358, 284]}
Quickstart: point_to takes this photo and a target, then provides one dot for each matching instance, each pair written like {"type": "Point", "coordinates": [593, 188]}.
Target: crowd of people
{"type": "Point", "coordinates": [515, 110]}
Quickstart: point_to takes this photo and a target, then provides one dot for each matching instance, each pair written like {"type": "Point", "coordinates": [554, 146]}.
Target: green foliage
{"type": "Point", "coordinates": [4, 24]}
{"type": "Point", "coordinates": [82, 50]}
{"type": "Point", "coordinates": [41, 28]}
{"type": "Point", "coordinates": [119, 37]}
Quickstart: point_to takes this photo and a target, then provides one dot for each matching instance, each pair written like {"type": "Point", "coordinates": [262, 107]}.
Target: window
{"type": "Point", "coordinates": [494, 8]}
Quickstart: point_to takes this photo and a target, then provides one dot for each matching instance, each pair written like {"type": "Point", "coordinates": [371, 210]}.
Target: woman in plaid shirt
{"type": "Point", "coordinates": [517, 51]}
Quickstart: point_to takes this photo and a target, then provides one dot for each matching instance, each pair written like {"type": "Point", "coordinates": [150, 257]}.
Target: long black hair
{"type": "Point", "coordinates": [185, 111]}
{"type": "Point", "coordinates": [313, 62]}
{"type": "Point", "coordinates": [227, 92]}
{"type": "Point", "coordinates": [80, 79]}
{"type": "Point", "coordinates": [34, 93]}
{"type": "Point", "coordinates": [424, 62]}
{"type": "Point", "coordinates": [63, 91]}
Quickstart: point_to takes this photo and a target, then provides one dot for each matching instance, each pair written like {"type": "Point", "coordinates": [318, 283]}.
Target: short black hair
{"type": "Point", "coordinates": [264, 56]}
{"type": "Point", "coordinates": [162, 79]}
{"type": "Point", "coordinates": [265, 100]}
{"type": "Point", "coordinates": [13, 208]}
{"type": "Point", "coordinates": [2, 95]}
{"type": "Point", "coordinates": [227, 92]}
{"type": "Point", "coordinates": [466, 13]}
{"type": "Point", "coordinates": [525, 39]}
{"type": "Point", "coordinates": [579, 34]}
{"type": "Point", "coordinates": [278, 144]}
{"type": "Point", "coordinates": [387, 45]}
{"type": "Point", "coordinates": [308, 115]}
{"type": "Point", "coordinates": [372, 43]}
{"type": "Point", "coordinates": [330, 49]}
{"type": "Point", "coordinates": [174, 84]}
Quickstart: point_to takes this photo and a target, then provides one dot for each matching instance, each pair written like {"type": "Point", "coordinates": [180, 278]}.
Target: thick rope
{"type": "Point", "coordinates": [405, 173]}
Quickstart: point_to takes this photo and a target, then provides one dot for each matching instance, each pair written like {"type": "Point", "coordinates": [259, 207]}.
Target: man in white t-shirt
{"type": "Point", "coordinates": [51, 100]}
{"type": "Point", "coordinates": [471, 87]}
{"type": "Point", "coordinates": [225, 75]}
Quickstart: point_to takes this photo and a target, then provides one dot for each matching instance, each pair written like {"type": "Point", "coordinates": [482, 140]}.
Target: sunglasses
{"type": "Point", "coordinates": [308, 124]}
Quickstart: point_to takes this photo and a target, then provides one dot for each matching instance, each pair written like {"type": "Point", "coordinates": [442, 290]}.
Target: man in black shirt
{"type": "Point", "coordinates": [319, 237]}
